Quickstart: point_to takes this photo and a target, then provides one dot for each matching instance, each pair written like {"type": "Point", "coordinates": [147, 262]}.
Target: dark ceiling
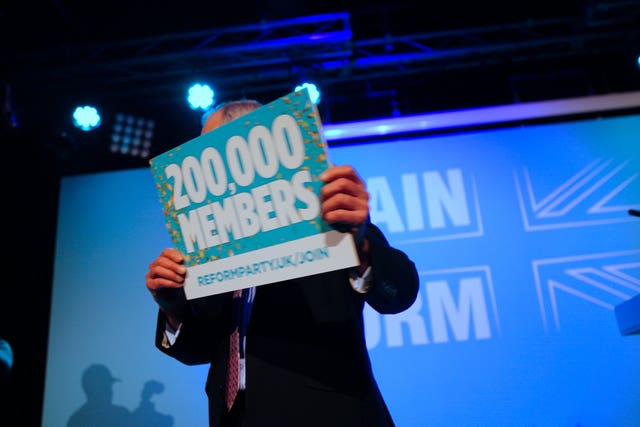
{"type": "Point", "coordinates": [373, 59]}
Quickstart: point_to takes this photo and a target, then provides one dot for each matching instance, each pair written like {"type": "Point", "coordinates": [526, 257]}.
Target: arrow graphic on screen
{"type": "Point", "coordinates": [585, 198]}
{"type": "Point", "coordinates": [603, 280]}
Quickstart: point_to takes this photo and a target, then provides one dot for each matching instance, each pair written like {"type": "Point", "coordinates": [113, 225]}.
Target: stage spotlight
{"type": "Point", "coordinates": [86, 118]}
{"type": "Point", "coordinates": [314, 91]}
{"type": "Point", "coordinates": [200, 96]}
{"type": "Point", "coordinates": [132, 135]}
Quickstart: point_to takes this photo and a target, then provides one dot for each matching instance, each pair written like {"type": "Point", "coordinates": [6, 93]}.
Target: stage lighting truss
{"type": "Point", "coordinates": [132, 135]}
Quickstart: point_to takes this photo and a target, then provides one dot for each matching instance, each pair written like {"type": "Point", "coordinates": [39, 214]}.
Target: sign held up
{"type": "Point", "coordinates": [241, 202]}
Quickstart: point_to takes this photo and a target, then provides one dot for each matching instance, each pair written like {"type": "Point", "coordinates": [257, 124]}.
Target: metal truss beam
{"type": "Point", "coordinates": [272, 55]}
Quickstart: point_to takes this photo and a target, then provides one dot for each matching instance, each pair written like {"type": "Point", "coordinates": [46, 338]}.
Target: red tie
{"type": "Point", "coordinates": [233, 369]}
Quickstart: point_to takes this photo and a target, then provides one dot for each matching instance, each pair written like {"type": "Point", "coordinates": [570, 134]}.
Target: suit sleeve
{"type": "Point", "coordinates": [395, 282]}
{"type": "Point", "coordinates": [203, 326]}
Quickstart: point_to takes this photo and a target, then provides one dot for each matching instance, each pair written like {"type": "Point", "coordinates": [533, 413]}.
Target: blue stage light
{"type": "Point", "coordinates": [314, 91]}
{"type": "Point", "coordinates": [86, 118]}
{"type": "Point", "coordinates": [132, 136]}
{"type": "Point", "coordinates": [200, 96]}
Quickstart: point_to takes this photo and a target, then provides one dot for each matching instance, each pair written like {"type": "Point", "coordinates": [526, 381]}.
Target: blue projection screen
{"type": "Point", "coordinates": [524, 247]}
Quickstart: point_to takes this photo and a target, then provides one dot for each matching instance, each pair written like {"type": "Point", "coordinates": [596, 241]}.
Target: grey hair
{"type": "Point", "coordinates": [233, 109]}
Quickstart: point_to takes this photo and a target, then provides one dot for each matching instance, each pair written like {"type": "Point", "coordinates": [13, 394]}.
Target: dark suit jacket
{"type": "Point", "coordinates": [306, 356]}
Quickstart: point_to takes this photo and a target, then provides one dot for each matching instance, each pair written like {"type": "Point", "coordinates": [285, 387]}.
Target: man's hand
{"type": "Point", "coordinates": [345, 205]}
{"type": "Point", "coordinates": [344, 198]}
{"type": "Point", "coordinates": [165, 280]}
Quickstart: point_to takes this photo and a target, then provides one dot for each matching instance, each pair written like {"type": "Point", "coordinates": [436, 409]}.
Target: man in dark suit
{"type": "Point", "coordinates": [305, 359]}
